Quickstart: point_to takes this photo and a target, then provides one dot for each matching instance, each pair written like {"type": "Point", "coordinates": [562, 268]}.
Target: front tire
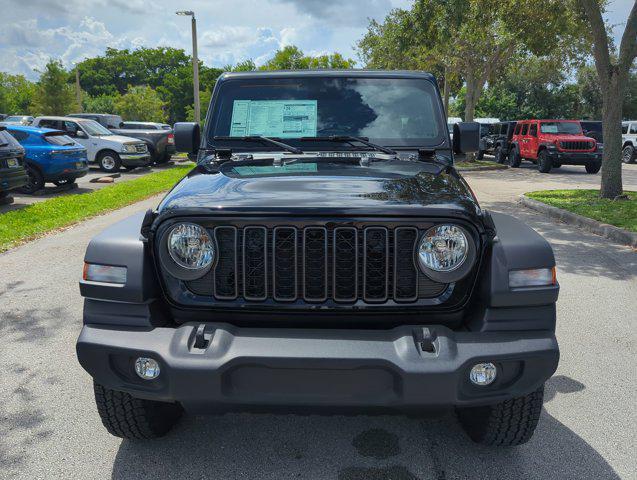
{"type": "Point", "coordinates": [593, 167]}
{"type": "Point", "coordinates": [109, 162]}
{"type": "Point", "coordinates": [514, 158]}
{"type": "Point", "coordinates": [506, 424]}
{"type": "Point", "coordinates": [133, 418]}
{"type": "Point", "coordinates": [499, 156]}
{"type": "Point", "coordinates": [628, 154]}
{"type": "Point", "coordinates": [544, 163]}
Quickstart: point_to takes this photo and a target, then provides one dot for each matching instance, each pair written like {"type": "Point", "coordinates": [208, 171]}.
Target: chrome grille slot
{"type": "Point", "coordinates": [315, 264]}
{"type": "Point", "coordinates": [375, 264]}
{"type": "Point", "coordinates": [405, 270]}
{"type": "Point", "coordinates": [225, 272]}
{"type": "Point", "coordinates": [345, 270]}
{"type": "Point", "coordinates": [284, 263]}
{"type": "Point", "coordinates": [255, 254]}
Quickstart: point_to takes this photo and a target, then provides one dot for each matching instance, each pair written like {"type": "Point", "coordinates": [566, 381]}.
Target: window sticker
{"type": "Point", "coordinates": [274, 118]}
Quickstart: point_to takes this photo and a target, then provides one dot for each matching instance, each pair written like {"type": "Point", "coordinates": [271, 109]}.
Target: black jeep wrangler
{"type": "Point", "coordinates": [498, 141]}
{"type": "Point", "coordinates": [324, 254]}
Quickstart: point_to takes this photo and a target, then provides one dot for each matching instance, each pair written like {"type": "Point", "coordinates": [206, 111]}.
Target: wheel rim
{"type": "Point", "coordinates": [108, 162]}
{"type": "Point", "coordinates": [627, 155]}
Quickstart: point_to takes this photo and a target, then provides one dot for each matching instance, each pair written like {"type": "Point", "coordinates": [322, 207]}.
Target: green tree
{"type": "Point", "coordinates": [16, 94]}
{"type": "Point", "coordinates": [140, 103]}
{"type": "Point", "coordinates": [472, 40]}
{"type": "Point", "coordinates": [53, 94]}
{"type": "Point", "coordinates": [292, 58]}
{"type": "Point", "coordinates": [167, 70]}
{"type": "Point", "coordinates": [613, 67]}
{"type": "Point", "coordinates": [100, 104]}
{"type": "Point", "coordinates": [204, 102]}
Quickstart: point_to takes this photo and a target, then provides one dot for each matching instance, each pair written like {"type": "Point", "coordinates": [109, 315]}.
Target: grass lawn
{"type": "Point", "coordinates": [621, 213]}
{"type": "Point", "coordinates": [479, 164]}
{"type": "Point", "coordinates": [35, 220]}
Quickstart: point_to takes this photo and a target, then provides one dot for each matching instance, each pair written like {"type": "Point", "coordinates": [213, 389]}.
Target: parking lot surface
{"type": "Point", "coordinates": [49, 427]}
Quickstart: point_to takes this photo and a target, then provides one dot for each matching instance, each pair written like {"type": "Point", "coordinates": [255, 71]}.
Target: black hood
{"type": "Point", "coordinates": [323, 186]}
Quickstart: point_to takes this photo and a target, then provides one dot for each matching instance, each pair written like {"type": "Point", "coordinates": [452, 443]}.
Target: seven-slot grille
{"type": "Point", "coordinates": [315, 264]}
{"type": "Point", "coordinates": [576, 144]}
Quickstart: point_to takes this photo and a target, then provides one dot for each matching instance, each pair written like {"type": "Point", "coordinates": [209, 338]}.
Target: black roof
{"type": "Point", "coordinates": [329, 73]}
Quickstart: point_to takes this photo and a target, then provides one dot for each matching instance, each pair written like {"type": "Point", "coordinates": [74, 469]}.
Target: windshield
{"type": "Point", "coordinates": [387, 111]}
{"type": "Point", "coordinates": [569, 128]}
{"type": "Point", "coordinates": [94, 129]}
{"type": "Point", "coordinates": [14, 119]}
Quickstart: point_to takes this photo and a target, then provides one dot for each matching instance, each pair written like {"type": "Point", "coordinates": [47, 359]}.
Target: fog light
{"type": "Point", "coordinates": [483, 374]}
{"type": "Point", "coordinates": [147, 368]}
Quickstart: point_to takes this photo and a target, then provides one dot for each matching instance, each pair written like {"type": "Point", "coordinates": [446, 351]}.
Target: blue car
{"type": "Point", "coordinates": [51, 156]}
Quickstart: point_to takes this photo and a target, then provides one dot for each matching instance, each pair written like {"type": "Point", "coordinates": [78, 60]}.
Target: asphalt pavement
{"type": "Point", "coordinates": [49, 427]}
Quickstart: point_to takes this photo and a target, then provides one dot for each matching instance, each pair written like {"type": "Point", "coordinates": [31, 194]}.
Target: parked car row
{"type": "Point", "coordinates": [48, 149]}
{"type": "Point", "coordinates": [547, 143]}
{"type": "Point", "coordinates": [157, 137]}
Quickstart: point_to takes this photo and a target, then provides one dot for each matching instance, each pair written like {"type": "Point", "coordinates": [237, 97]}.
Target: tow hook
{"type": "Point", "coordinates": [202, 338]}
{"type": "Point", "coordinates": [425, 339]}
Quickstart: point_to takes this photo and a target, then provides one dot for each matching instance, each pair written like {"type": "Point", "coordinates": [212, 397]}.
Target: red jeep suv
{"type": "Point", "coordinates": [553, 143]}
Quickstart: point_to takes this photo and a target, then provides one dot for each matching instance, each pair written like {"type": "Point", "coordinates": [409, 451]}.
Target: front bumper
{"type": "Point", "coordinates": [574, 158]}
{"type": "Point", "coordinates": [68, 173]}
{"type": "Point", "coordinates": [135, 159]}
{"type": "Point", "coordinates": [247, 368]}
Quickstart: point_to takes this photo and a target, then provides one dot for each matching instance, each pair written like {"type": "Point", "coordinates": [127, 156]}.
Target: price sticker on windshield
{"type": "Point", "coordinates": [274, 118]}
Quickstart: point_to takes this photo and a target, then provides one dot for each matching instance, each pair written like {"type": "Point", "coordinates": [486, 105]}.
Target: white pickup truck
{"type": "Point", "coordinates": [108, 150]}
{"type": "Point", "coordinates": [629, 141]}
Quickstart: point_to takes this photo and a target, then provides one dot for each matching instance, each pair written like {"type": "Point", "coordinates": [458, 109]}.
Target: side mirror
{"type": "Point", "coordinates": [79, 134]}
{"type": "Point", "coordinates": [466, 137]}
{"type": "Point", "coordinates": [187, 137]}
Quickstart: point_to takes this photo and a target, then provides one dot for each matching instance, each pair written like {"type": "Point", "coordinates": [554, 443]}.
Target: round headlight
{"type": "Point", "coordinates": [443, 248]}
{"type": "Point", "coordinates": [190, 246]}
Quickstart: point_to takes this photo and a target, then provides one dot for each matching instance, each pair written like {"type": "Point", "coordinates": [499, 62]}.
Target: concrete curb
{"type": "Point", "coordinates": [481, 168]}
{"type": "Point", "coordinates": [616, 234]}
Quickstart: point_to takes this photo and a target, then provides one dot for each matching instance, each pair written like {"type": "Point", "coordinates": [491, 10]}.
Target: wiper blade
{"type": "Point", "coordinates": [348, 138]}
{"type": "Point", "coordinates": [259, 138]}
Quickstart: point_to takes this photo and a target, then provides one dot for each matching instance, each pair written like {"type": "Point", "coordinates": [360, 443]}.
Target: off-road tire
{"type": "Point", "coordinates": [499, 157]}
{"type": "Point", "coordinates": [544, 163]}
{"type": "Point", "coordinates": [35, 182]}
{"type": "Point", "coordinates": [628, 154]}
{"type": "Point", "coordinates": [514, 158]}
{"type": "Point", "coordinates": [109, 166]}
{"type": "Point", "coordinates": [133, 418]}
{"type": "Point", "coordinates": [593, 167]}
{"type": "Point", "coordinates": [506, 424]}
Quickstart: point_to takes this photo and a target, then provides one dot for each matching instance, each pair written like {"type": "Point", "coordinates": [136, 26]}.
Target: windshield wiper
{"type": "Point", "coordinates": [259, 138]}
{"type": "Point", "coordinates": [349, 139]}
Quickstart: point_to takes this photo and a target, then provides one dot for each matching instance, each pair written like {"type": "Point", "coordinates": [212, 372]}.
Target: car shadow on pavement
{"type": "Point", "coordinates": [384, 447]}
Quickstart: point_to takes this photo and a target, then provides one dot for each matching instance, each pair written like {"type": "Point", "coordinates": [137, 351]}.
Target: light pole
{"type": "Point", "coordinates": [195, 61]}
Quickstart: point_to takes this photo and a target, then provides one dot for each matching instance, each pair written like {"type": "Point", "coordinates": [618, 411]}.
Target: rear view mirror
{"type": "Point", "coordinates": [466, 137]}
{"type": "Point", "coordinates": [187, 137]}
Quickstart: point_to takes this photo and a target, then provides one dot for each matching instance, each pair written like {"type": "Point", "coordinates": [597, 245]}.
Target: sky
{"type": "Point", "coordinates": [229, 31]}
